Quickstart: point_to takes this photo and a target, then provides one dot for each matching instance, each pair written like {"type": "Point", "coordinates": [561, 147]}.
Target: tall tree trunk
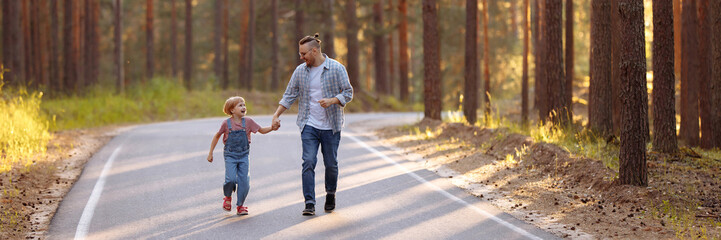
{"type": "Point", "coordinates": [55, 78]}
{"type": "Point", "coordinates": [188, 71]}
{"type": "Point", "coordinates": [352, 42]}
{"type": "Point", "coordinates": [431, 61]}
{"type": "Point", "coordinates": [39, 48]}
{"type": "Point", "coordinates": [173, 40]}
{"type": "Point", "coordinates": [225, 81]}
{"type": "Point", "coordinates": [599, 111]}
{"type": "Point", "coordinates": [217, 39]}
{"type": "Point", "coordinates": [512, 11]}
{"type": "Point", "coordinates": [379, 49]}
{"type": "Point", "coordinates": [486, 71]}
{"type": "Point", "coordinates": [541, 56]}
{"type": "Point", "coordinates": [470, 90]}
{"type": "Point", "coordinates": [615, 67]}
{"type": "Point", "coordinates": [79, 46]}
{"type": "Point", "coordinates": [715, 81]}
{"type": "Point", "coordinates": [149, 41]}
{"type": "Point", "coordinates": [690, 74]}
{"type": "Point", "coordinates": [96, 43]}
{"type": "Point", "coordinates": [569, 55]}
{"type": "Point", "coordinates": [28, 46]}
{"type": "Point", "coordinates": [403, 49]}
{"type": "Point", "coordinates": [664, 87]}
{"type": "Point", "coordinates": [632, 156]}
{"type": "Point", "coordinates": [677, 35]}
{"type": "Point", "coordinates": [36, 62]}
{"type": "Point", "coordinates": [299, 21]}
{"type": "Point", "coordinates": [555, 88]}
{"type": "Point", "coordinates": [524, 78]}
{"type": "Point", "coordinates": [6, 42]}
{"type": "Point", "coordinates": [69, 39]}
{"type": "Point", "coordinates": [244, 47]}
{"type": "Point", "coordinates": [13, 43]}
{"type": "Point", "coordinates": [118, 39]}
{"type": "Point", "coordinates": [535, 39]}
{"type": "Point", "coordinates": [251, 42]}
{"type": "Point", "coordinates": [93, 51]}
{"type": "Point", "coordinates": [707, 120]}
{"type": "Point", "coordinates": [329, 48]}
{"type": "Point", "coordinates": [274, 79]}
{"type": "Point", "coordinates": [391, 59]}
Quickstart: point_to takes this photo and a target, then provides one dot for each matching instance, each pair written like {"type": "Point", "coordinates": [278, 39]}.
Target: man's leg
{"type": "Point", "coordinates": [310, 140]}
{"type": "Point", "coordinates": [329, 148]}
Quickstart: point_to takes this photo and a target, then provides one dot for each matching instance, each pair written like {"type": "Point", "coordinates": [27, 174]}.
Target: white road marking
{"type": "Point", "coordinates": [443, 192]}
{"type": "Point", "coordinates": [82, 230]}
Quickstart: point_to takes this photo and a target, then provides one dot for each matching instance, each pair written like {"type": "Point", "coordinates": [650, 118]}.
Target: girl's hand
{"type": "Point", "coordinates": [210, 158]}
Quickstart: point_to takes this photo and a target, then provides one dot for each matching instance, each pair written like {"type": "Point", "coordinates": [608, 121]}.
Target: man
{"type": "Point", "coordinates": [322, 89]}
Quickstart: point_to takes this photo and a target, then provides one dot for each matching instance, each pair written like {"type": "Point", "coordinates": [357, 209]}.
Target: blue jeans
{"type": "Point", "coordinates": [328, 142]}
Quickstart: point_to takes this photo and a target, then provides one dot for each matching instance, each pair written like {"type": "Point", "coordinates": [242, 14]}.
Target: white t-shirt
{"type": "Point", "coordinates": [318, 117]}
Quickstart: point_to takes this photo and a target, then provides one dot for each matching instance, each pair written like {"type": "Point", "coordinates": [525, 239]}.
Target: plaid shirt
{"type": "Point", "coordinates": [335, 83]}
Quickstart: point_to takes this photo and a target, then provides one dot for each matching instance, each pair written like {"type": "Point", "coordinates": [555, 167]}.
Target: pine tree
{"type": "Point", "coordinates": [632, 155]}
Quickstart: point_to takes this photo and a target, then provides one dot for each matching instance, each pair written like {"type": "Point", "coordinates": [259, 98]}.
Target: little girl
{"type": "Point", "coordinates": [236, 137]}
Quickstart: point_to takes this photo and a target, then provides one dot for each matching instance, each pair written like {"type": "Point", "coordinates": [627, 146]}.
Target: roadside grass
{"type": "Point", "coordinates": [573, 138]}
{"type": "Point", "coordinates": [158, 100]}
{"type": "Point", "coordinates": [23, 129]}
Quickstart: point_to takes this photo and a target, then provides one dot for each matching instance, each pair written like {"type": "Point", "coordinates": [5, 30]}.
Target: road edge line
{"type": "Point", "coordinates": [84, 224]}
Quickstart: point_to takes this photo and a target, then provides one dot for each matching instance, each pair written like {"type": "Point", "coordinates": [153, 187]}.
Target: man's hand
{"type": "Point", "coordinates": [210, 157]}
{"type": "Point", "coordinates": [326, 102]}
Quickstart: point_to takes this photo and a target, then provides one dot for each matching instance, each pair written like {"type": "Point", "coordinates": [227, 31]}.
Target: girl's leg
{"type": "Point", "coordinates": [231, 173]}
{"type": "Point", "coordinates": [243, 180]}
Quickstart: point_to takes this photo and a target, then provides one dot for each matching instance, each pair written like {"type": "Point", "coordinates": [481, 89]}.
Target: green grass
{"type": "Point", "coordinates": [158, 100]}
{"type": "Point", "coordinates": [572, 138]}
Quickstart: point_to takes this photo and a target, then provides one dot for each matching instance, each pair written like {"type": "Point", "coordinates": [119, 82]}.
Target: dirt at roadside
{"type": "Point", "coordinates": [30, 196]}
{"type": "Point", "coordinates": [570, 196]}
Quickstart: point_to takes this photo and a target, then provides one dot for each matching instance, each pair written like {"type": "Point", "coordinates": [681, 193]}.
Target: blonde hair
{"type": "Point", "coordinates": [231, 103]}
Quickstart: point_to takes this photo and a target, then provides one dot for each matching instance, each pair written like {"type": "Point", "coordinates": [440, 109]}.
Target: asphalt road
{"type": "Point", "coordinates": [153, 182]}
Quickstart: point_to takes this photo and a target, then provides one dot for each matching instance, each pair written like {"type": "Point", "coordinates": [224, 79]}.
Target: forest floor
{"type": "Point", "coordinates": [30, 196]}
{"type": "Point", "coordinates": [568, 195]}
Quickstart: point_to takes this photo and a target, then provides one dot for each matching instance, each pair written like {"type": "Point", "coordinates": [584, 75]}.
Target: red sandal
{"type": "Point", "coordinates": [242, 210]}
{"type": "Point", "coordinates": [226, 203]}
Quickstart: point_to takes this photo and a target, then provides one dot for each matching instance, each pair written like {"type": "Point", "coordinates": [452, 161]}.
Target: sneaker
{"type": "Point", "coordinates": [242, 210]}
{"type": "Point", "coordinates": [329, 202]}
{"type": "Point", "coordinates": [226, 203]}
{"type": "Point", "coordinates": [309, 209]}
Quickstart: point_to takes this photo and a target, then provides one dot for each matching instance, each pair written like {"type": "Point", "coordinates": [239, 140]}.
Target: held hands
{"type": "Point", "coordinates": [276, 124]}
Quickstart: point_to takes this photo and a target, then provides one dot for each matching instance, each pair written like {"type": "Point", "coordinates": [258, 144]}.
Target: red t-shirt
{"type": "Point", "coordinates": [250, 126]}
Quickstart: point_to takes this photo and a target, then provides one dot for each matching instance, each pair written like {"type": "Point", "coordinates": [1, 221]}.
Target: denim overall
{"type": "Point", "coordinates": [236, 151]}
